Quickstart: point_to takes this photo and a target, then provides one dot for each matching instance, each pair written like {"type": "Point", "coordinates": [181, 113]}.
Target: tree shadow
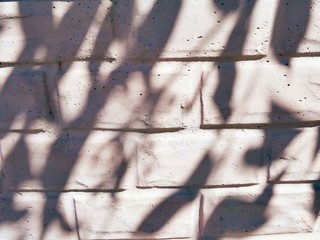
{"type": "Point", "coordinates": [234, 46]}
{"type": "Point", "coordinates": [276, 140]}
{"type": "Point", "coordinates": [164, 211]}
{"type": "Point", "coordinates": [316, 201]}
{"type": "Point", "coordinates": [17, 166]}
{"type": "Point", "coordinates": [289, 28]}
{"type": "Point", "coordinates": [150, 27]}
{"type": "Point", "coordinates": [234, 216]}
{"type": "Point", "coordinates": [14, 171]}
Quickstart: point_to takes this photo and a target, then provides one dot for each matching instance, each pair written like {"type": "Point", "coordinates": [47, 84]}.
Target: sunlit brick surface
{"type": "Point", "coordinates": [160, 119]}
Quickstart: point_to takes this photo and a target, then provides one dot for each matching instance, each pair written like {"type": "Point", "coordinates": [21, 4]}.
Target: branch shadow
{"type": "Point", "coordinates": [152, 36]}
{"type": "Point", "coordinates": [234, 216]}
{"type": "Point", "coordinates": [164, 211]}
{"type": "Point", "coordinates": [235, 44]}
{"type": "Point", "coordinates": [148, 30]}
{"type": "Point", "coordinates": [276, 140]}
{"type": "Point", "coordinates": [290, 26]}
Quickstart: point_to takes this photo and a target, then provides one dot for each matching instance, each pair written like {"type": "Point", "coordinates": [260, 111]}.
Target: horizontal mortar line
{"type": "Point", "coordinates": [194, 187]}
{"type": "Point", "coordinates": [261, 125]}
{"type": "Point", "coordinates": [138, 130]}
{"type": "Point", "coordinates": [6, 17]}
{"type": "Point", "coordinates": [58, 61]}
{"type": "Point", "coordinates": [203, 59]}
{"type": "Point", "coordinates": [63, 190]}
{"type": "Point", "coordinates": [299, 55]}
{"type": "Point", "coordinates": [112, 59]}
{"type": "Point", "coordinates": [28, 131]}
{"type": "Point", "coordinates": [253, 236]}
{"type": "Point", "coordinates": [293, 181]}
{"type": "Point", "coordinates": [175, 129]}
{"type": "Point", "coordinates": [244, 235]}
{"type": "Point", "coordinates": [140, 236]}
{"type": "Point", "coordinates": [162, 59]}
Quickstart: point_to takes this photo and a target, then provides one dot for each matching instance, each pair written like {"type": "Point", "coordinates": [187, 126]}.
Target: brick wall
{"type": "Point", "coordinates": [163, 119]}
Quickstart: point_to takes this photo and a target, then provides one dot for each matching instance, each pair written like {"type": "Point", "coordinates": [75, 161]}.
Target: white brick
{"type": "Point", "coordinates": [68, 29]}
{"type": "Point", "coordinates": [198, 28]}
{"type": "Point", "coordinates": [142, 214]}
{"type": "Point", "coordinates": [294, 236]}
{"type": "Point", "coordinates": [295, 150]}
{"type": "Point", "coordinates": [80, 29]}
{"type": "Point", "coordinates": [201, 158]}
{"type": "Point", "coordinates": [165, 95]}
{"type": "Point", "coordinates": [24, 99]}
{"type": "Point", "coordinates": [70, 160]}
{"type": "Point", "coordinates": [254, 211]}
{"type": "Point", "coordinates": [296, 28]}
{"type": "Point", "coordinates": [35, 216]}
{"type": "Point", "coordinates": [261, 92]}
{"type": "Point", "coordinates": [109, 131]}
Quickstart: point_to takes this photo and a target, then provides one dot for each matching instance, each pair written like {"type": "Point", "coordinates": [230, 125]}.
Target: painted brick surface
{"type": "Point", "coordinates": [37, 216]}
{"type": "Point", "coordinates": [201, 158]}
{"type": "Point", "coordinates": [300, 34]}
{"type": "Point", "coordinates": [261, 92]}
{"type": "Point", "coordinates": [164, 119]}
{"type": "Point", "coordinates": [65, 31]}
{"type": "Point", "coordinates": [293, 236]}
{"type": "Point", "coordinates": [162, 95]}
{"type": "Point", "coordinates": [136, 30]}
{"type": "Point", "coordinates": [24, 102]}
{"type": "Point", "coordinates": [295, 151]}
{"type": "Point", "coordinates": [257, 210]}
{"type": "Point", "coordinates": [126, 216]}
{"type": "Point", "coordinates": [74, 160]}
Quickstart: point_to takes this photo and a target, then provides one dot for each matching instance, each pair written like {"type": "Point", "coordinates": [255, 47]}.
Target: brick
{"type": "Point", "coordinates": [261, 92]}
{"type": "Point", "coordinates": [295, 151]}
{"type": "Point", "coordinates": [133, 215]}
{"type": "Point", "coordinates": [198, 29]}
{"type": "Point", "coordinates": [138, 96]}
{"type": "Point", "coordinates": [200, 158]}
{"type": "Point", "coordinates": [69, 160]}
{"type": "Point", "coordinates": [296, 28]}
{"type": "Point", "coordinates": [71, 29]}
{"type": "Point", "coordinates": [68, 30]}
{"type": "Point", "coordinates": [257, 211]}
{"type": "Point", "coordinates": [24, 99]}
{"type": "Point", "coordinates": [36, 216]}
{"type": "Point", "coordinates": [100, 117]}
{"type": "Point", "coordinates": [294, 236]}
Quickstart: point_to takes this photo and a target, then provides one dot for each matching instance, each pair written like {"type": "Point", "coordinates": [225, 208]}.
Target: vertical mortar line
{"type": "Point", "coordinates": [132, 154]}
{"type": "Point", "coordinates": [47, 96]}
{"type": "Point", "coordinates": [201, 100]}
{"type": "Point", "coordinates": [268, 159]}
{"type": "Point", "coordinates": [1, 163]}
{"type": "Point", "coordinates": [200, 215]}
{"type": "Point", "coordinates": [76, 219]}
{"type": "Point", "coordinates": [135, 160]}
{"type": "Point", "coordinates": [56, 92]}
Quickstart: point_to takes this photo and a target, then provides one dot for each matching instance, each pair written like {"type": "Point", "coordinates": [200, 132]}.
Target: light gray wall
{"type": "Point", "coordinates": [160, 119]}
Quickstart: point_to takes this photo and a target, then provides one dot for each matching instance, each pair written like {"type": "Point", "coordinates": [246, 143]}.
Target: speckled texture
{"type": "Point", "coordinates": [168, 119]}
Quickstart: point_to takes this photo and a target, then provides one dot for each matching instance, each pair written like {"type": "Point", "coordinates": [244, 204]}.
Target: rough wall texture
{"type": "Point", "coordinates": [160, 119]}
